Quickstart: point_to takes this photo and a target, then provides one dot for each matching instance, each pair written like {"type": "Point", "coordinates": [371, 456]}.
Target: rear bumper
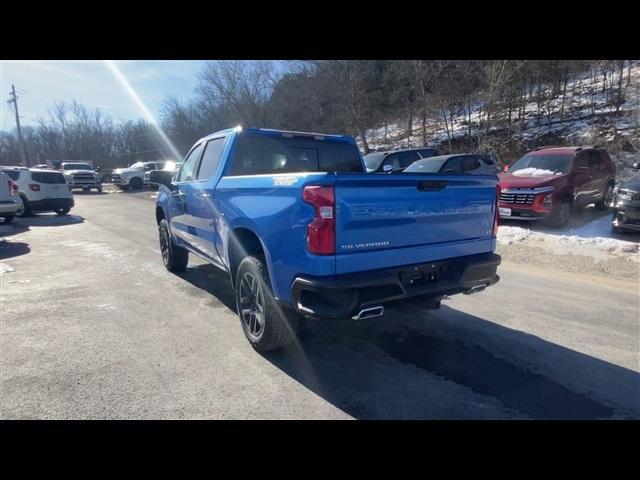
{"type": "Point", "coordinates": [8, 207]}
{"type": "Point", "coordinates": [50, 204]}
{"type": "Point", "coordinates": [627, 215]}
{"type": "Point", "coordinates": [345, 295]}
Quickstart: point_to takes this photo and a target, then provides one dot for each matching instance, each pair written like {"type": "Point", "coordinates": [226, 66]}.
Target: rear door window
{"type": "Point", "coordinates": [453, 165]}
{"type": "Point", "coordinates": [47, 177]}
{"type": "Point", "coordinates": [469, 164]}
{"type": "Point", "coordinates": [211, 158]}
{"type": "Point", "coordinates": [594, 159]}
{"type": "Point", "coordinates": [428, 152]}
{"type": "Point", "coordinates": [401, 160]}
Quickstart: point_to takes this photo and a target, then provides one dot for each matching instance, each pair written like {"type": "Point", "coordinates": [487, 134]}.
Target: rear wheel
{"type": "Point", "coordinates": [606, 200]}
{"type": "Point", "coordinates": [265, 325]}
{"type": "Point", "coordinates": [62, 211]}
{"type": "Point", "coordinates": [174, 257]}
{"type": "Point", "coordinates": [135, 183]}
{"type": "Point", "coordinates": [561, 214]}
{"type": "Point", "coordinates": [24, 210]}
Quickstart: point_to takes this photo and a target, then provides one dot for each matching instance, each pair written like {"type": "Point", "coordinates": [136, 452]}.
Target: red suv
{"type": "Point", "coordinates": [548, 182]}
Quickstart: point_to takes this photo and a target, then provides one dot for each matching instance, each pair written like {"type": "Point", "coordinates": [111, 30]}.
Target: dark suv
{"type": "Point", "coordinates": [549, 181]}
{"type": "Point", "coordinates": [396, 160]}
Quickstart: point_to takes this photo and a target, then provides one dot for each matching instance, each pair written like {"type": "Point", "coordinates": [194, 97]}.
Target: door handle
{"type": "Point", "coordinates": [431, 186]}
{"type": "Point", "coordinates": [179, 194]}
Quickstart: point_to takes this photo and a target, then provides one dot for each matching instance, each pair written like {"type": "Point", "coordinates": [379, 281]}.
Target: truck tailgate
{"type": "Point", "coordinates": [392, 220]}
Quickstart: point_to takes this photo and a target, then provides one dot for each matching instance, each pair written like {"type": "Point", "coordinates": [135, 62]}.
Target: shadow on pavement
{"type": "Point", "coordinates": [212, 280]}
{"type": "Point", "coordinates": [14, 228]}
{"type": "Point", "coordinates": [49, 220]}
{"type": "Point", "coordinates": [353, 366]}
{"type": "Point", "coordinates": [334, 365]}
{"type": "Point", "coordinates": [13, 249]}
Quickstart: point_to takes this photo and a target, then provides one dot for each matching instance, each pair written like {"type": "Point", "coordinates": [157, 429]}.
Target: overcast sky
{"type": "Point", "coordinates": [93, 84]}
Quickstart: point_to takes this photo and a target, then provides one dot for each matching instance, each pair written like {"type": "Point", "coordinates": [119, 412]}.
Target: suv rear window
{"type": "Point", "coordinates": [13, 174]}
{"type": "Point", "coordinates": [47, 177]}
{"type": "Point", "coordinates": [257, 154]}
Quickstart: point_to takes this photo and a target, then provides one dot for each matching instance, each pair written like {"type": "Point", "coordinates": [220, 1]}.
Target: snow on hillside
{"type": "Point", "coordinates": [580, 123]}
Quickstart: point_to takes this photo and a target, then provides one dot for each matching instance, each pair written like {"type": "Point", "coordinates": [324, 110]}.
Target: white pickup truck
{"type": "Point", "coordinates": [81, 175]}
{"type": "Point", "coordinates": [133, 177]}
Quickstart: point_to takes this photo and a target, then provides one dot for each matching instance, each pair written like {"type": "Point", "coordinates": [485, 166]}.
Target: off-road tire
{"type": "Point", "coordinates": [279, 326]}
{"type": "Point", "coordinates": [26, 208]}
{"type": "Point", "coordinates": [135, 183]}
{"type": "Point", "coordinates": [174, 257]}
{"type": "Point", "coordinates": [560, 215]}
{"type": "Point", "coordinates": [606, 199]}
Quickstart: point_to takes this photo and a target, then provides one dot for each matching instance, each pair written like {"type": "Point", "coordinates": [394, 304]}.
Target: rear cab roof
{"type": "Point", "coordinates": [281, 133]}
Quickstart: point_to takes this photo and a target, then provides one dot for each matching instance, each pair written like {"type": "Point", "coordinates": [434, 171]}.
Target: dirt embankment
{"type": "Point", "coordinates": [616, 271]}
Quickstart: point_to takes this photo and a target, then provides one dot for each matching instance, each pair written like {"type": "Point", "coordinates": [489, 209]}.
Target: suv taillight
{"type": "Point", "coordinates": [497, 212]}
{"type": "Point", "coordinates": [321, 232]}
{"type": "Point", "coordinates": [34, 187]}
{"type": "Point", "coordinates": [13, 188]}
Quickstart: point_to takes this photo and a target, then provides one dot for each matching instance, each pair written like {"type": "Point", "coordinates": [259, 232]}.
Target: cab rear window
{"type": "Point", "coordinates": [256, 154]}
{"type": "Point", "coordinates": [47, 177]}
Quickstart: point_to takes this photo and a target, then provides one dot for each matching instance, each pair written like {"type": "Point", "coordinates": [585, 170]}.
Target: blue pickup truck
{"type": "Point", "coordinates": [305, 233]}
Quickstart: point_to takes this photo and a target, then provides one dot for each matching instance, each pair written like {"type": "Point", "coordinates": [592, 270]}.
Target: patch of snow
{"type": "Point", "coordinates": [591, 239]}
{"type": "Point", "coordinates": [533, 172]}
{"type": "Point", "coordinates": [5, 268]}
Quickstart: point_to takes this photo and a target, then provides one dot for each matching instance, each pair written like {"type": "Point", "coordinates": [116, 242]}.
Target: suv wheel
{"type": "Point", "coordinates": [62, 211]}
{"type": "Point", "coordinates": [135, 183]}
{"type": "Point", "coordinates": [606, 200]}
{"type": "Point", "coordinates": [174, 257]}
{"type": "Point", "coordinates": [24, 210]}
{"type": "Point", "coordinates": [265, 325]}
{"type": "Point", "coordinates": [561, 214]}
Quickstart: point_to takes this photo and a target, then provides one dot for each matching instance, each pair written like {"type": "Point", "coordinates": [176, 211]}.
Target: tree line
{"type": "Point", "coordinates": [342, 96]}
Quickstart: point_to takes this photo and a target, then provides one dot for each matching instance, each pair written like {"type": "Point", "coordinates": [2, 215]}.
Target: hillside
{"type": "Point", "coordinates": [588, 117]}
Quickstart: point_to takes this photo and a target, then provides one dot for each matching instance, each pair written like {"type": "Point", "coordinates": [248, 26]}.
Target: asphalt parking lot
{"type": "Point", "coordinates": [93, 326]}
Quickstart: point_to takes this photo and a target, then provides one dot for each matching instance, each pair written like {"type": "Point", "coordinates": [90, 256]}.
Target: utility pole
{"type": "Point", "coordinates": [14, 100]}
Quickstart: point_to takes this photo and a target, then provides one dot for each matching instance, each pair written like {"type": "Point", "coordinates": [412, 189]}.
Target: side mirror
{"type": "Point", "coordinates": [387, 168]}
{"type": "Point", "coordinates": [161, 177]}
{"type": "Point", "coordinates": [635, 166]}
{"type": "Point", "coordinates": [97, 169]}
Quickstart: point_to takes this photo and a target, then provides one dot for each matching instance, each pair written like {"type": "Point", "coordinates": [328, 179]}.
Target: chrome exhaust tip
{"type": "Point", "coordinates": [476, 289]}
{"type": "Point", "coordinates": [369, 312]}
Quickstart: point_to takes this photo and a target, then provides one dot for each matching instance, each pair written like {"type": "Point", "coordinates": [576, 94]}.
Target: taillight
{"type": "Point", "coordinates": [321, 232]}
{"type": "Point", "coordinates": [13, 188]}
{"type": "Point", "coordinates": [34, 187]}
{"type": "Point", "coordinates": [497, 211]}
